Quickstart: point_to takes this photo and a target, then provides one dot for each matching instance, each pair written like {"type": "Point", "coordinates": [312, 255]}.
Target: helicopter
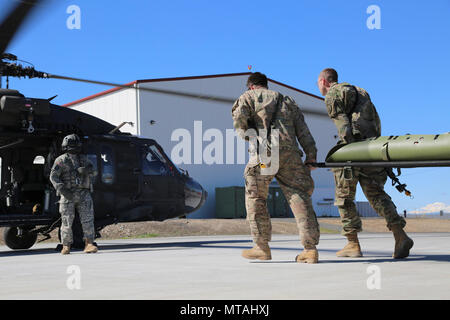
{"type": "Point", "coordinates": [135, 179]}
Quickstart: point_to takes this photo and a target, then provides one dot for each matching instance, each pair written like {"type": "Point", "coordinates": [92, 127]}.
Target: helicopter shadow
{"type": "Point", "coordinates": [146, 246]}
{"type": "Point", "coordinates": [216, 244]}
{"type": "Point", "coordinates": [133, 247]}
{"type": "Point", "coordinates": [26, 252]}
{"type": "Point", "coordinates": [128, 247]}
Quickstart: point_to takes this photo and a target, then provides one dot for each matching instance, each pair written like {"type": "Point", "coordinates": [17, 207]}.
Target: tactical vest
{"type": "Point", "coordinates": [70, 176]}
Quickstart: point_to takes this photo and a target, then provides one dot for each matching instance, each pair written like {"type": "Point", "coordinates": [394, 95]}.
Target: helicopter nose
{"type": "Point", "coordinates": [195, 195]}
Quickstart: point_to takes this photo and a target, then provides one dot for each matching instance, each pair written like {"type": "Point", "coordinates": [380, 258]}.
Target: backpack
{"type": "Point", "coordinates": [364, 116]}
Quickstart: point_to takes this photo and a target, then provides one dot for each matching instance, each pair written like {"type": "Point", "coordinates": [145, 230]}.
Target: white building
{"type": "Point", "coordinates": [174, 120]}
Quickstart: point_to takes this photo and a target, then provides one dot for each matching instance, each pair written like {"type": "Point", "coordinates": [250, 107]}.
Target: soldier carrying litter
{"type": "Point", "coordinates": [256, 109]}
{"type": "Point", "coordinates": [71, 176]}
{"type": "Point", "coordinates": [356, 119]}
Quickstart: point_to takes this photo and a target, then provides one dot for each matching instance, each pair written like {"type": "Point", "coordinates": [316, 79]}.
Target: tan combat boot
{"type": "Point", "coordinates": [352, 249]}
{"type": "Point", "coordinates": [402, 242]}
{"type": "Point", "coordinates": [308, 255]}
{"type": "Point", "coordinates": [65, 250]}
{"type": "Point", "coordinates": [90, 248]}
{"type": "Point", "coordinates": [259, 251]}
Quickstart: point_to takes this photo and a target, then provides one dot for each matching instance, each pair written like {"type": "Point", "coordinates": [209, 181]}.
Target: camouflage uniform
{"type": "Point", "coordinates": [75, 190]}
{"type": "Point", "coordinates": [257, 107]}
{"type": "Point", "coordinates": [356, 119]}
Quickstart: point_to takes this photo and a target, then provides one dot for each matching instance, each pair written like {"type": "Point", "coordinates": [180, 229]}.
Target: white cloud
{"type": "Point", "coordinates": [433, 207]}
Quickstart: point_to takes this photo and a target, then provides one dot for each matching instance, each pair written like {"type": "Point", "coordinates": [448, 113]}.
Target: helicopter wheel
{"type": "Point", "coordinates": [15, 240]}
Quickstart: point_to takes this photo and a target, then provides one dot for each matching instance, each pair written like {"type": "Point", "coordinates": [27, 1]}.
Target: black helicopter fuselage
{"type": "Point", "coordinates": [135, 180]}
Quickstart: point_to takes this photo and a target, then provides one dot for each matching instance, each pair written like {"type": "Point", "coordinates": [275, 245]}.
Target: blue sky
{"type": "Point", "coordinates": [404, 65]}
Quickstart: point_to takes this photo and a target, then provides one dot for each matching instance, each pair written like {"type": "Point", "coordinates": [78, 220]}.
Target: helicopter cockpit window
{"type": "Point", "coordinates": [107, 165]}
{"type": "Point", "coordinates": [153, 163]}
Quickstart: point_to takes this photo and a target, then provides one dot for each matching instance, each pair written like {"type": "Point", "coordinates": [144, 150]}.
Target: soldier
{"type": "Point", "coordinates": [255, 109]}
{"type": "Point", "coordinates": [71, 176]}
{"type": "Point", "coordinates": [356, 119]}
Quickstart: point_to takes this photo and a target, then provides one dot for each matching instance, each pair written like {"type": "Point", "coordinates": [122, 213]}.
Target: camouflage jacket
{"type": "Point", "coordinates": [72, 172]}
{"type": "Point", "coordinates": [353, 112]}
{"type": "Point", "coordinates": [255, 108]}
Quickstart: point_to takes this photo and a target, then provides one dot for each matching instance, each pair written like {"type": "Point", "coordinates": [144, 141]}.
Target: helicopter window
{"type": "Point", "coordinates": [153, 163]}
{"type": "Point", "coordinates": [157, 154]}
{"type": "Point", "coordinates": [107, 165]}
{"type": "Point", "coordinates": [93, 159]}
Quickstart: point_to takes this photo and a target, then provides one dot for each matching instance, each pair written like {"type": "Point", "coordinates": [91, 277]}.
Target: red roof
{"type": "Point", "coordinates": [182, 78]}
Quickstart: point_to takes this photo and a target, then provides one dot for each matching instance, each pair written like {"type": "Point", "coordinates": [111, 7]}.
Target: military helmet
{"type": "Point", "coordinates": [71, 143]}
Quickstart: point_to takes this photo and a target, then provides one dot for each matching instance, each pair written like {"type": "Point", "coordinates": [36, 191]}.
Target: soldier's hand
{"type": "Point", "coordinates": [311, 164]}
{"type": "Point", "coordinates": [349, 138]}
{"type": "Point", "coordinates": [66, 194]}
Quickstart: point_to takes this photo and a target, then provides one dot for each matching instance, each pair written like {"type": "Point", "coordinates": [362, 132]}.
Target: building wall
{"type": "Point", "coordinates": [115, 107]}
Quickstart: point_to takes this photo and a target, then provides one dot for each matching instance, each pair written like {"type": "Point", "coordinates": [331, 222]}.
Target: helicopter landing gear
{"type": "Point", "coordinates": [19, 238]}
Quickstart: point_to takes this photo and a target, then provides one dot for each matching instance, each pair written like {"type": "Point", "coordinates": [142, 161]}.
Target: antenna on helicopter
{"type": "Point", "coordinates": [120, 126]}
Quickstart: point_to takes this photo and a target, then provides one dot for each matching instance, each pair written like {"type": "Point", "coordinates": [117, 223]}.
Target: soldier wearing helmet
{"type": "Point", "coordinates": [71, 175]}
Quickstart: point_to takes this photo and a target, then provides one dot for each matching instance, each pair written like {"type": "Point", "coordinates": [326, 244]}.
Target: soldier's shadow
{"type": "Point", "coordinates": [369, 257]}
{"type": "Point", "coordinates": [439, 258]}
{"type": "Point", "coordinates": [410, 258]}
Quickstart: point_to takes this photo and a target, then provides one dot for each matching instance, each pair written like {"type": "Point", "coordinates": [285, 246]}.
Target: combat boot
{"type": "Point", "coordinates": [259, 251]}
{"type": "Point", "coordinates": [352, 248]}
{"type": "Point", "coordinates": [308, 255]}
{"type": "Point", "coordinates": [90, 248]}
{"type": "Point", "coordinates": [402, 242]}
{"type": "Point", "coordinates": [65, 250]}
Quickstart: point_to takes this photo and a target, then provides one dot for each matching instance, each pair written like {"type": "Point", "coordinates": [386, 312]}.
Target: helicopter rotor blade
{"type": "Point", "coordinates": [170, 92]}
{"type": "Point", "coordinates": [13, 21]}
{"type": "Point", "coordinates": [132, 86]}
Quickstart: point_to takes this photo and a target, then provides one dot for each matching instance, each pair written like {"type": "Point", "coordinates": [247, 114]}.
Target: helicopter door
{"type": "Point", "coordinates": [155, 172]}
{"type": "Point", "coordinates": [127, 168]}
{"type": "Point", "coordinates": [127, 173]}
{"type": "Point", "coordinates": [160, 182]}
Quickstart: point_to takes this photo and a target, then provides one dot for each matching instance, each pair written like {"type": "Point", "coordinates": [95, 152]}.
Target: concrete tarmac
{"type": "Point", "coordinates": [211, 267]}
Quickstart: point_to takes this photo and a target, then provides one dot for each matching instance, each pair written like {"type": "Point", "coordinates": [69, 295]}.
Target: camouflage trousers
{"type": "Point", "coordinates": [297, 185]}
{"type": "Point", "coordinates": [82, 203]}
{"type": "Point", "coordinates": [372, 181]}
